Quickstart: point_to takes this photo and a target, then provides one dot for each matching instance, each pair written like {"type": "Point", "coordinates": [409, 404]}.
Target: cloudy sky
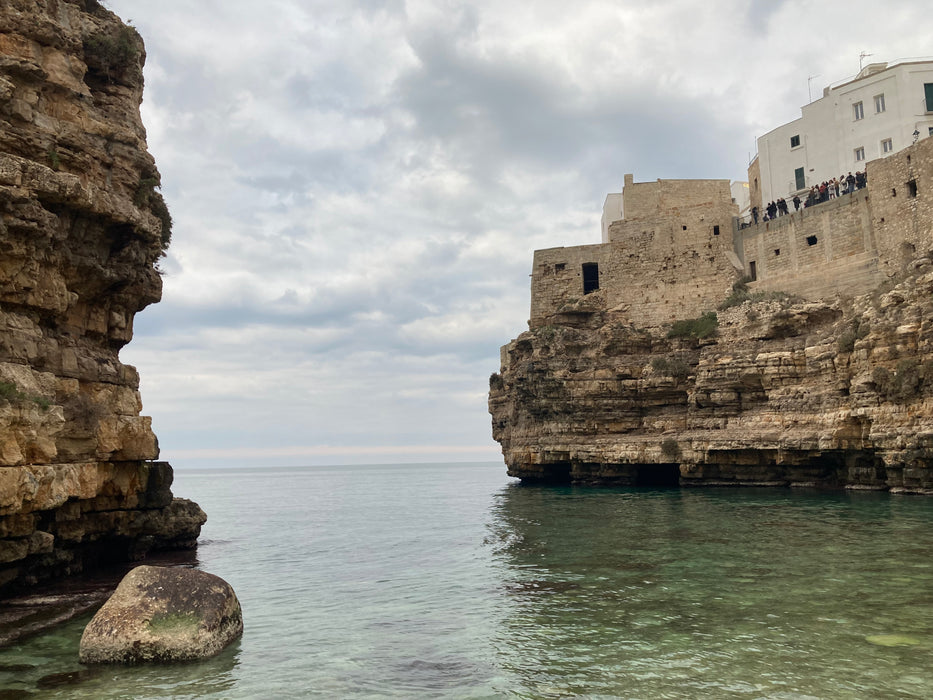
{"type": "Point", "coordinates": [358, 186]}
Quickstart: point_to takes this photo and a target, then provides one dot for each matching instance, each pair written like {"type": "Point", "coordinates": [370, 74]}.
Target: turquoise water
{"type": "Point", "coordinates": [452, 581]}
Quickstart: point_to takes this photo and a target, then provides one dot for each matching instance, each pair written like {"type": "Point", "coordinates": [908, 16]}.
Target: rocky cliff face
{"type": "Point", "coordinates": [81, 229]}
{"type": "Point", "coordinates": [831, 394]}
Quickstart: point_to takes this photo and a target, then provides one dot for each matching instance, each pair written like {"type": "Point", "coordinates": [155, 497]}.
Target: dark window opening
{"type": "Point", "coordinates": [795, 141]}
{"type": "Point", "coordinates": [777, 251]}
{"type": "Point", "coordinates": [800, 180]}
{"type": "Point", "coordinates": [716, 229]}
{"type": "Point", "coordinates": [560, 266]}
{"type": "Point", "coordinates": [912, 188]}
{"type": "Point", "coordinates": [894, 192]}
{"type": "Point", "coordinates": [752, 270]}
{"type": "Point", "coordinates": [928, 95]}
{"type": "Point", "coordinates": [684, 227]}
{"type": "Point", "coordinates": [811, 240]}
{"type": "Point", "coordinates": [590, 277]}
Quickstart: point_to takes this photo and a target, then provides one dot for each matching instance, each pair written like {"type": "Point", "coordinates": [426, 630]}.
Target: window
{"type": "Point", "coordinates": [795, 141]}
{"type": "Point", "coordinates": [879, 103]}
{"type": "Point", "coordinates": [858, 110]}
{"type": "Point", "coordinates": [887, 146]}
{"type": "Point", "coordinates": [715, 229]}
{"type": "Point", "coordinates": [812, 240]}
{"type": "Point", "coordinates": [912, 188]}
{"type": "Point", "coordinates": [800, 181]}
{"type": "Point", "coordinates": [859, 153]}
{"type": "Point", "coordinates": [777, 251]}
{"type": "Point", "coordinates": [590, 277]}
{"type": "Point", "coordinates": [752, 271]}
{"type": "Point", "coordinates": [928, 94]}
{"type": "Point", "coordinates": [559, 267]}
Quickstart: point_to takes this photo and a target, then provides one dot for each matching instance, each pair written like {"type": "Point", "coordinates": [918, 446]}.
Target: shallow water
{"type": "Point", "coordinates": [450, 580]}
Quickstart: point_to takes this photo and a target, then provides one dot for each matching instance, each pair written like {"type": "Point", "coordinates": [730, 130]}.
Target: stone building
{"type": "Point", "coordinates": [680, 247]}
{"type": "Point", "coordinates": [880, 111]}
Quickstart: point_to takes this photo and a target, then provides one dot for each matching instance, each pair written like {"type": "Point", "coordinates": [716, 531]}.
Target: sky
{"type": "Point", "coordinates": [358, 187]}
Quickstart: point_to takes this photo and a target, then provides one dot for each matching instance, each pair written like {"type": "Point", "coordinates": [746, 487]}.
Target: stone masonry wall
{"type": "Point", "coordinates": [817, 251]}
{"type": "Point", "coordinates": [645, 199]}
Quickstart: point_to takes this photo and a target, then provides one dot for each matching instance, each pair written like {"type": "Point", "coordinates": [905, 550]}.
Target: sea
{"type": "Point", "coordinates": [454, 581]}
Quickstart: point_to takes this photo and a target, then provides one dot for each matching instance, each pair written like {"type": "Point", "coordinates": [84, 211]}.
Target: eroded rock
{"type": "Point", "coordinates": [160, 614]}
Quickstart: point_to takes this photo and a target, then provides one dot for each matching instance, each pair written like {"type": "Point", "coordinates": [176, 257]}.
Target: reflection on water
{"type": "Point", "coordinates": [446, 581]}
{"type": "Point", "coordinates": [720, 593]}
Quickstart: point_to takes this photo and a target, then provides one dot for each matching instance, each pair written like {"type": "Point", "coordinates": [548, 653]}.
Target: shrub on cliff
{"type": "Point", "coordinates": [676, 368]}
{"type": "Point", "coordinates": [701, 327]}
{"type": "Point", "coordinates": [113, 55]}
{"type": "Point", "coordinates": [146, 196]}
{"type": "Point", "coordinates": [856, 331]}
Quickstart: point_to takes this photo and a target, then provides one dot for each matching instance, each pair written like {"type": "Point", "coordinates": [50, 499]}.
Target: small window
{"type": "Point", "coordinates": [858, 111]}
{"type": "Point", "coordinates": [887, 146]}
{"type": "Point", "coordinates": [590, 277]}
{"type": "Point", "coordinates": [752, 270]}
{"type": "Point", "coordinates": [777, 251]}
{"type": "Point", "coordinates": [685, 227]}
{"type": "Point", "coordinates": [928, 94]}
{"type": "Point", "coordinates": [811, 240]}
{"type": "Point", "coordinates": [795, 141]}
{"type": "Point", "coordinates": [894, 192]}
{"type": "Point", "coordinates": [879, 103]}
{"type": "Point", "coordinates": [715, 229]}
{"type": "Point", "coordinates": [559, 267]}
{"type": "Point", "coordinates": [912, 188]}
{"type": "Point", "coordinates": [859, 154]}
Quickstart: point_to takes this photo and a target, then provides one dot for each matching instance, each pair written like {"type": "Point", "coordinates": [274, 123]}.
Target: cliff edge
{"type": "Point", "coordinates": [772, 391]}
{"type": "Point", "coordinates": [82, 226]}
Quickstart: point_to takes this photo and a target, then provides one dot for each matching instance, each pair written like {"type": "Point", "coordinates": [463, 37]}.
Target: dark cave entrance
{"type": "Point", "coordinates": [658, 475]}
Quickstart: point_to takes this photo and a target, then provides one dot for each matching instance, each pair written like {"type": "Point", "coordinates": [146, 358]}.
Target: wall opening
{"type": "Point", "coordinates": [715, 229]}
{"type": "Point", "coordinates": [777, 251]}
{"type": "Point", "coordinates": [560, 267]}
{"type": "Point", "coordinates": [812, 240]}
{"type": "Point", "coordinates": [912, 188]}
{"type": "Point", "coordinates": [752, 270]}
{"type": "Point", "coordinates": [658, 475]}
{"type": "Point", "coordinates": [590, 277]}
{"type": "Point", "coordinates": [894, 192]}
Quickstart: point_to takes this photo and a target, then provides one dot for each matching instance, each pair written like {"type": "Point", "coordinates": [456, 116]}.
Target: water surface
{"type": "Point", "coordinates": [452, 581]}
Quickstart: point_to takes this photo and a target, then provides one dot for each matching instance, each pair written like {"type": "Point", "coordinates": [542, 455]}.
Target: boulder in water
{"type": "Point", "coordinates": [162, 614]}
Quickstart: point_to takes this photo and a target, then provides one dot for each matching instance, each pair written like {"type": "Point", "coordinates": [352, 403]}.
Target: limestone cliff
{"type": "Point", "coordinates": [81, 229]}
{"type": "Point", "coordinates": [836, 393]}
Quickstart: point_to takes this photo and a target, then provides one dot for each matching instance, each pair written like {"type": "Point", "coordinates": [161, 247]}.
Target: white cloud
{"type": "Point", "coordinates": [358, 187]}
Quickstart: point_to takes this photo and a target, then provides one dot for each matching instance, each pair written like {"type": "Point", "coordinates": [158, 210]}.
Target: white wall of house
{"type": "Point", "coordinates": [612, 211]}
{"type": "Point", "coordinates": [833, 136]}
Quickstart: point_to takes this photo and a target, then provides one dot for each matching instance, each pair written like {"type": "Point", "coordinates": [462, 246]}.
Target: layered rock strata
{"type": "Point", "coordinates": [832, 394]}
{"type": "Point", "coordinates": [82, 227]}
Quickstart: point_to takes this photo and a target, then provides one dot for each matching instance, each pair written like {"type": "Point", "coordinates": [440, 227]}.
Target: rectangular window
{"type": "Point", "coordinates": [928, 94]}
{"type": "Point", "coordinates": [887, 146]}
{"type": "Point", "coordinates": [858, 110]}
{"type": "Point", "coordinates": [590, 277]}
{"type": "Point", "coordinates": [911, 188]}
{"type": "Point", "coordinates": [800, 181]}
{"type": "Point", "coordinates": [752, 270]}
{"type": "Point", "coordinates": [795, 141]}
{"type": "Point", "coordinates": [879, 103]}
{"type": "Point", "coordinates": [859, 154]}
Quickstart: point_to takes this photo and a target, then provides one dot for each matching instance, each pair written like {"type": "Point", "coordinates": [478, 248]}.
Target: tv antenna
{"type": "Point", "coordinates": [809, 80]}
{"type": "Point", "coordinates": [861, 57]}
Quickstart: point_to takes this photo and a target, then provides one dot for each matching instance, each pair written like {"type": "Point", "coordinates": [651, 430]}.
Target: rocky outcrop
{"type": "Point", "coordinates": [82, 227]}
{"type": "Point", "coordinates": [834, 394]}
{"type": "Point", "coordinates": [163, 615]}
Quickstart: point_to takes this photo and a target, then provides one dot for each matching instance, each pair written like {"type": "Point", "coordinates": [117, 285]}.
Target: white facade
{"type": "Point", "coordinates": [612, 211]}
{"type": "Point", "coordinates": [870, 116]}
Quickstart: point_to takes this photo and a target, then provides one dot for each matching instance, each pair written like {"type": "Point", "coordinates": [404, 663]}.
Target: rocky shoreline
{"type": "Point", "coordinates": [82, 228]}
{"type": "Point", "coordinates": [781, 392]}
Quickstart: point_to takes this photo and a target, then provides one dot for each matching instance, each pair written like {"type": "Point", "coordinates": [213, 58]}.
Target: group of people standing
{"type": "Point", "coordinates": [830, 189]}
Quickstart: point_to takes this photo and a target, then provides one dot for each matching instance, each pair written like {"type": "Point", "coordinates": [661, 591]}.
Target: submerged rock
{"type": "Point", "coordinates": [160, 614]}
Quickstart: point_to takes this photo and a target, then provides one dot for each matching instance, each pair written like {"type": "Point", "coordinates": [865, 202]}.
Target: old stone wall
{"type": "Point", "coordinates": [82, 226]}
{"type": "Point", "coordinates": [901, 191]}
{"type": "Point", "coordinates": [815, 252]}
{"type": "Point", "coordinates": [646, 199]}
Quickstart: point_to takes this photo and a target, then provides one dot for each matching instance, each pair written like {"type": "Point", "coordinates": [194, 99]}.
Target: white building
{"type": "Point", "coordinates": [881, 110]}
